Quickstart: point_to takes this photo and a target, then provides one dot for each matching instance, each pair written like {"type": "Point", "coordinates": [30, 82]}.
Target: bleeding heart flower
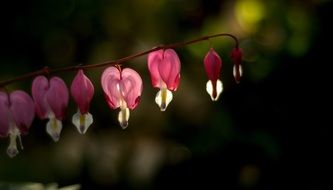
{"type": "Point", "coordinates": [16, 115]}
{"type": "Point", "coordinates": [213, 65]}
{"type": "Point", "coordinates": [122, 89]}
{"type": "Point", "coordinates": [236, 56]}
{"type": "Point", "coordinates": [51, 100]}
{"type": "Point", "coordinates": [82, 91]}
{"type": "Point", "coordinates": [164, 68]}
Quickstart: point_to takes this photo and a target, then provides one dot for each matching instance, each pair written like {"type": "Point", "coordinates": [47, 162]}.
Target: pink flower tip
{"type": "Point", "coordinates": [82, 91]}
{"type": "Point", "coordinates": [16, 115]}
{"type": "Point", "coordinates": [50, 96]}
{"type": "Point", "coordinates": [213, 66]}
{"type": "Point", "coordinates": [122, 89]}
{"type": "Point", "coordinates": [236, 56]}
{"type": "Point", "coordinates": [164, 68]}
{"type": "Point", "coordinates": [51, 99]}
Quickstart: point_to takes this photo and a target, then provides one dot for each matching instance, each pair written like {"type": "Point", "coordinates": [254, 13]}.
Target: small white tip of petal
{"type": "Point", "coordinates": [53, 128]}
{"type": "Point", "coordinates": [163, 98]}
{"type": "Point", "coordinates": [123, 117]}
{"type": "Point", "coordinates": [82, 122]}
{"type": "Point", "coordinates": [12, 151]}
{"type": "Point", "coordinates": [219, 89]}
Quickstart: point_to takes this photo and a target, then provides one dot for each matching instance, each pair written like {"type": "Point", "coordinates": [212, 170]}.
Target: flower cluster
{"type": "Point", "coordinates": [122, 88]}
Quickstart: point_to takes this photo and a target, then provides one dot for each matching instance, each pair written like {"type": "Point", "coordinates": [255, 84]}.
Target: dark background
{"type": "Point", "coordinates": [271, 131]}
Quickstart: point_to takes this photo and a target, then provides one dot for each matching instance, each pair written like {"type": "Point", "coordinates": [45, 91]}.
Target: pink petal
{"type": "Point", "coordinates": [57, 97]}
{"type": "Point", "coordinates": [154, 60]}
{"type": "Point", "coordinates": [164, 68]}
{"type": "Point", "coordinates": [110, 83]}
{"type": "Point", "coordinates": [131, 87]}
{"type": "Point", "coordinates": [39, 88]}
{"type": "Point", "coordinates": [236, 55]}
{"type": "Point", "coordinates": [4, 122]}
{"type": "Point", "coordinates": [213, 64]}
{"type": "Point", "coordinates": [82, 91]}
{"type": "Point", "coordinates": [22, 110]}
{"type": "Point", "coordinates": [169, 69]}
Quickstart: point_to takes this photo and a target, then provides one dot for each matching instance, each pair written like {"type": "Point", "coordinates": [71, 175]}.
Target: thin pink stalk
{"type": "Point", "coordinates": [120, 61]}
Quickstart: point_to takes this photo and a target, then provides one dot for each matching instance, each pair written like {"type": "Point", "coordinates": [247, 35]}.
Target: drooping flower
{"type": "Point", "coordinates": [164, 68]}
{"type": "Point", "coordinates": [16, 115]}
{"type": "Point", "coordinates": [213, 66]}
{"type": "Point", "coordinates": [236, 56]}
{"type": "Point", "coordinates": [51, 100]}
{"type": "Point", "coordinates": [82, 91]}
{"type": "Point", "coordinates": [122, 89]}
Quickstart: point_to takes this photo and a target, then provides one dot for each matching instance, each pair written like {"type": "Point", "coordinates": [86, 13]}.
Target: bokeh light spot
{"type": "Point", "coordinates": [249, 13]}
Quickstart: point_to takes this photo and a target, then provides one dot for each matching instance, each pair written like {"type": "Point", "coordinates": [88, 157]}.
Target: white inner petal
{"type": "Point", "coordinates": [240, 70]}
{"type": "Point", "coordinates": [82, 121]}
{"type": "Point", "coordinates": [53, 128]}
{"type": "Point", "coordinates": [163, 98]}
{"type": "Point", "coordinates": [123, 117]}
{"type": "Point", "coordinates": [219, 89]}
{"type": "Point", "coordinates": [14, 133]}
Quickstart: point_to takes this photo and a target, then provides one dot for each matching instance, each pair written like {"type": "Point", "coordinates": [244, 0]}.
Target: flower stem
{"type": "Point", "coordinates": [47, 71]}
